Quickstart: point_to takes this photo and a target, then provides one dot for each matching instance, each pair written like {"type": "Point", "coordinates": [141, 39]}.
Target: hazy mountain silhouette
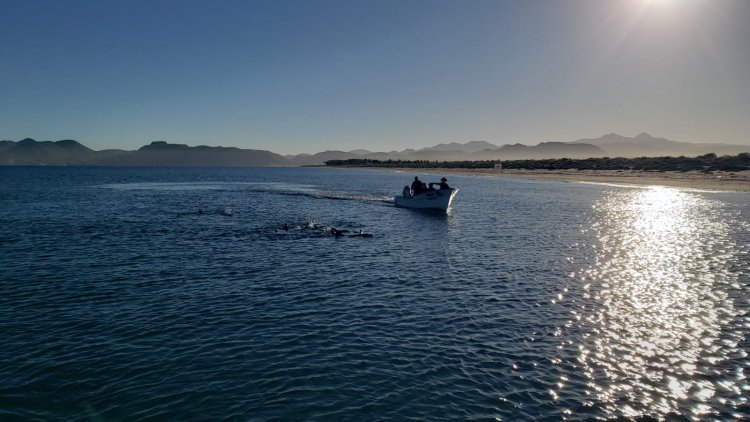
{"type": "Point", "coordinates": [550, 150]}
{"type": "Point", "coordinates": [472, 146]}
{"type": "Point", "coordinates": [319, 158]}
{"type": "Point", "coordinates": [160, 153]}
{"type": "Point", "coordinates": [645, 145]}
{"type": "Point", "coordinates": [31, 152]}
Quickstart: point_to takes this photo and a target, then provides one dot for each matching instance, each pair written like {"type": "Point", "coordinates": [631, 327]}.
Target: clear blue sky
{"type": "Point", "coordinates": [306, 76]}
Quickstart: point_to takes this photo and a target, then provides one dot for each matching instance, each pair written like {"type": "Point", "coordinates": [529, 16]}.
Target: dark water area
{"type": "Point", "coordinates": [528, 301]}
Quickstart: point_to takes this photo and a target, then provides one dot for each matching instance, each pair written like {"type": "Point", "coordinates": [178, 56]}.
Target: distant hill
{"type": "Point", "coordinates": [472, 146]}
{"type": "Point", "coordinates": [645, 145]}
{"type": "Point", "coordinates": [319, 158]}
{"type": "Point", "coordinates": [160, 153]}
{"type": "Point", "coordinates": [31, 152]}
{"type": "Point", "coordinates": [550, 150]}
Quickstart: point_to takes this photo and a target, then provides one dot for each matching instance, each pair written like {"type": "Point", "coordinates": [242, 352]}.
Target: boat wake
{"type": "Point", "coordinates": [277, 188]}
{"type": "Point", "coordinates": [312, 191]}
{"type": "Point", "coordinates": [342, 196]}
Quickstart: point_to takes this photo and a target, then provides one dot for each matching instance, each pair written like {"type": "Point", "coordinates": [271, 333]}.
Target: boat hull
{"type": "Point", "coordinates": [432, 200]}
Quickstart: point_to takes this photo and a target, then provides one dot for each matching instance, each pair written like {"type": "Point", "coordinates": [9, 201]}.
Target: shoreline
{"type": "Point", "coordinates": [715, 181]}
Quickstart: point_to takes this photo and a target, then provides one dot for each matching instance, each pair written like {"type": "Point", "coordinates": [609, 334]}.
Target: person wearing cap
{"type": "Point", "coordinates": [443, 184]}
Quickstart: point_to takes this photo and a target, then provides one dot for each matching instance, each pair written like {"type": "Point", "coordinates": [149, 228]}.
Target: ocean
{"type": "Point", "coordinates": [530, 300]}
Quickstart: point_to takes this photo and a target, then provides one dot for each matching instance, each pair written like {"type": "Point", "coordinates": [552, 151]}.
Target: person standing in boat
{"type": "Point", "coordinates": [417, 186]}
{"type": "Point", "coordinates": [443, 183]}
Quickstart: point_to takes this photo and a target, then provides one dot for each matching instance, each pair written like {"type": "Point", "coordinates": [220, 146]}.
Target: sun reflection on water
{"type": "Point", "coordinates": [655, 338]}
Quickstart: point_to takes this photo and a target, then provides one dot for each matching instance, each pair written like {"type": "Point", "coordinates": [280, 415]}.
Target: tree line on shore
{"type": "Point", "coordinates": [705, 163]}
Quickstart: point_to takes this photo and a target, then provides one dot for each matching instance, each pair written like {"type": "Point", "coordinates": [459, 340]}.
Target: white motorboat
{"type": "Point", "coordinates": [439, 199]}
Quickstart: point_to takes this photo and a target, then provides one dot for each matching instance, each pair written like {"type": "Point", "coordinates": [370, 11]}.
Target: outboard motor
{"type": "Point", "coordinates": [406, 192]}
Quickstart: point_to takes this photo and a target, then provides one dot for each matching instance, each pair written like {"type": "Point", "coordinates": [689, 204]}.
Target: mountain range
{"type": "Point", "coordinates": [160, 153]}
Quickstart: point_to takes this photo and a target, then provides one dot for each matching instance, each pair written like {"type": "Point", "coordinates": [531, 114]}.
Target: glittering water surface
{"type": "Point", "coordinates": [530, 300]}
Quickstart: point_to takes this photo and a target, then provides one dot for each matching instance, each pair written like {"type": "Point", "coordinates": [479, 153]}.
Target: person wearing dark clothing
{"type": "Point", "coordinates": [443, 184]}
{"type": "Point", "coordinates": [416, 185]}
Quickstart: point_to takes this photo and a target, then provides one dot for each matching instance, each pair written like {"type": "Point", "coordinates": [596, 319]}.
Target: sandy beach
{"type": "Point", "coordinates": [719, 181]}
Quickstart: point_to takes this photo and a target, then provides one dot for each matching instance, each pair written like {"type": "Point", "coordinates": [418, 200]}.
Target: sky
{"type": "Point", "coordinates": [308, 76]}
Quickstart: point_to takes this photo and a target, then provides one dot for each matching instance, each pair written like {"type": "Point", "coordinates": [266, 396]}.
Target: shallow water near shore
{"type": "Point", "coordinates": [530, 300]}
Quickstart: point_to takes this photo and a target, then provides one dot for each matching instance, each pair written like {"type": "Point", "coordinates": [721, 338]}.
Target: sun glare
{"type": "Point", "coordinates": [658, 4]}
{"type": "Point", "coordinates": [662, 309]}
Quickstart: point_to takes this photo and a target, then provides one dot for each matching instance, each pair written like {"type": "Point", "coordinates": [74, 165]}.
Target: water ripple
{"type": "Point", "coordinates": [532, 301]}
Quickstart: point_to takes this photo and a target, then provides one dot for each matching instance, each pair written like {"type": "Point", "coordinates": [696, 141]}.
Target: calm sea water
{"type": "Point", "coordinates": [529, 301]}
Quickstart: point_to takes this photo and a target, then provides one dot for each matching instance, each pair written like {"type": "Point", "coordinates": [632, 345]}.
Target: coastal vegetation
{"type": "Point", "coordinates": [707, 163]}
